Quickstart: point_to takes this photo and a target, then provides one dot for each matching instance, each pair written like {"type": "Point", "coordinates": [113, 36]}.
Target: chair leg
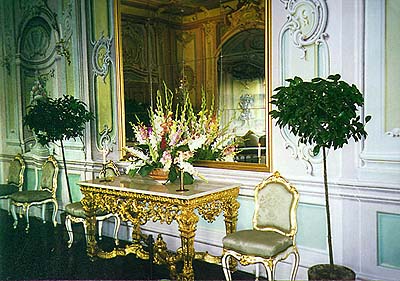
{"type": "Point", "coordinates": [44, 212]}
{"type": "Point", "coordinates": [85, 229]}
{"type": "Point", "coordinates": [14, 215]}
{"type": "Point", "coordinates": [55, 209]}
{"type": "Point", "coordinates": [257, 271]}
{"type": "Point", "coordinates": [295, 266]}
{"type": "Point", "coordinates": [225, 267]}
{"type": "Point", "coordinates": [270, 269]}
{"type": "Point", "coordinates": [117, 223]}
{"type": "Point", "coordinates": [100, 229]}
{"type": "Point", "coordinates": [9, 205]}
{"type": "Point", "coordinates": [68, 226]}
{"type": "Point", "coordinates": [27, 218]}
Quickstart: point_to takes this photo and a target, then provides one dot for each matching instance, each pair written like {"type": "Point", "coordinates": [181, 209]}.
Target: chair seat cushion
{"type": "Point", "coordinates": [29, 196]}
{"type": "Point", "coordinates": [257, 243]}
{"type": "Point", "coordinates": [7, 189]}
{"type": "Point", "coordinates": [76, 210]}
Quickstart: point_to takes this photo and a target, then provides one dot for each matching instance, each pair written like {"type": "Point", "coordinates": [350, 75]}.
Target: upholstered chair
{"type": "Point", "coordinates": [46, 193]}
{"type": "Point", "coordinates": [272, 237]}
{"type": "Point", "coordinates": [15, 179]}
{"type": "Point", "coordinates": [76, 214]}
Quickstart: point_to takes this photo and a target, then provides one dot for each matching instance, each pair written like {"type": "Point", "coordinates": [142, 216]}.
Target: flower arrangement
{"type": "Point", "coordinates": [176, 138]}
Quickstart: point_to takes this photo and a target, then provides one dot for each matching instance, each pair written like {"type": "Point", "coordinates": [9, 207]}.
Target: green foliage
{"type": "Point", "coordinates": [57, 119]}
{"type": "Point", "coordinates": [321, 112]}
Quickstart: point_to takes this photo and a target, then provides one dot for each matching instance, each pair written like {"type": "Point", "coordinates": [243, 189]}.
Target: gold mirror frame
{"type": "Point", "coordinates": [211, 164]}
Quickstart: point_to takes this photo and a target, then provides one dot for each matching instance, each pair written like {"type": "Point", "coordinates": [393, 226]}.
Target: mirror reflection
{"type": "Point", "coordinates": [212, 46]}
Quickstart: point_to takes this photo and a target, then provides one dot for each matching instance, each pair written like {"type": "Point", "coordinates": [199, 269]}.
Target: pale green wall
{"type": "Point", "coordinates": [30, 179]}
{"type": "Point", "coordinates": [75, 191]}
{"type": "Point", "coordinates": [311, 226]}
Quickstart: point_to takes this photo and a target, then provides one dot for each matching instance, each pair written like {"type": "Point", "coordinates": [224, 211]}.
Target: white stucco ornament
{"type": "Point", "coordinates": [306, 21]}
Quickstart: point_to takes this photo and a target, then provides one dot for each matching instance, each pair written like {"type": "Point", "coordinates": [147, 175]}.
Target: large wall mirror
{"type": "Point", "coordinates": [220, 47]}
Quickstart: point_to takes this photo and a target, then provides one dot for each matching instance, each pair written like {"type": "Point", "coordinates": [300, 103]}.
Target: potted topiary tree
{"type": "Point", "coordinates": [323, 113]}
{"type": "Point", "coordinates": [57, 119]}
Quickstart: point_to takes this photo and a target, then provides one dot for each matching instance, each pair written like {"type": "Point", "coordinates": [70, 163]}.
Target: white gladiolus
{"type": "Point", "coordinates": [197, 143]}
{"type": "Point", "coordinates": [137, 153]}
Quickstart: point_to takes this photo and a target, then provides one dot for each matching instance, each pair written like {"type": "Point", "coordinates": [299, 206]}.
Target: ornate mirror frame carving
{"type": "Point", "coordinates": [239, 20]}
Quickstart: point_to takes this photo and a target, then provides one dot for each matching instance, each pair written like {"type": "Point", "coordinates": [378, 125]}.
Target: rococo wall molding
{"type": "Point", "coordinates": [307, 20]}
{"type": "Point", "coordinates": [306, 23]}
{"type": "Point", "coordinates": [101, 57]}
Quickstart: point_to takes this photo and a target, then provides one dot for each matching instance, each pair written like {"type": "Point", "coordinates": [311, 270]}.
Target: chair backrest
{"type": "Point", "coordinates": [109, 170]}
{"type": "Point", "coordinates": [49, 175]}
{"type": "Point", "coordinates": [16, 171]}
{"type": "Point", "coordinates": [276, 204]}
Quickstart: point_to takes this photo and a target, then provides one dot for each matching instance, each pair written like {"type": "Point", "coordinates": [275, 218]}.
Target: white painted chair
{"type": "Point", "coordinates": [272, 238]}
{"type": "Point", "coordinates": [46, 193]}
{"type": "Point", "coordinates": [15, 179]}
{"type": "Point", "coordinates": [76, 214]}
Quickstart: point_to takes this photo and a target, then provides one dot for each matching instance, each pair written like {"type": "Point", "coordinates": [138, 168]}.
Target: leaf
{"type": "Point", "coordinates": [187, 178]}
{"type": "Point", "coordinates": [316, 150]}
{"type": "Point", "coordinates": [173, 174]}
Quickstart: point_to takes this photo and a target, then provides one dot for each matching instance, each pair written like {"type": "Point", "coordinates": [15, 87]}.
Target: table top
{"type": "Point", "coordinates": [146, 185]}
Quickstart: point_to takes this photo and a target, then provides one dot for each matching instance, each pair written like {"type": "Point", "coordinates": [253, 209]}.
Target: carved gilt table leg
{"type": "Point", "coordinates": [91, 243]}
{"type": "Point", "coordinates": [187, 221]}
{"type": "Point", "coordinates": [231, 210]}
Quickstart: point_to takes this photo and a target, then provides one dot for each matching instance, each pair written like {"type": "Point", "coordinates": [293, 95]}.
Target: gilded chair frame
{"type": "Point", "coordinates": [52, 189]}
{"type": "Point", "coordinates": [20, 160]}
{"type": "Point", "coordinates": [269, 263]}
{"type": "Point", "coordinates": [69, 218]}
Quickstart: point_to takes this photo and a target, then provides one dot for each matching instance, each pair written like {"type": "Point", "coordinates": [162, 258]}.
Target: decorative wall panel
{"type": "Point", "coordinates": [304, 31]}
{"type": "Point", "coordinates": [388, 228]}
{"type": "Point", "coordinates": [311, 226]}
{"type": "Point", "coordinates": [382, 147]}
{"type": "Point", "coordinates": [102, 58]}
{"type": "Point", "coordinates": [392, 69]}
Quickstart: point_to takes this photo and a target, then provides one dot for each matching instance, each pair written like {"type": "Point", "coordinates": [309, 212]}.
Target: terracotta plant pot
{"type": "Point", "coordinates": [327, 272]}
{"type": "Point", "coordinates": [158, 174]}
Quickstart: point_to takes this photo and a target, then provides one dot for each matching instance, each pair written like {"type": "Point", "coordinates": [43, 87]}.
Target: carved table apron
{"type": "Point", "coordinates": [142, 199]}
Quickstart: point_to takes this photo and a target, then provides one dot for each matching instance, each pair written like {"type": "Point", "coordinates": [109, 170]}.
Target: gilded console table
{"type": "Point", "coordinates": [141, 199]}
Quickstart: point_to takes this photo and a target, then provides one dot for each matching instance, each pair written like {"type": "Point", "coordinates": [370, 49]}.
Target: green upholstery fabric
{"type": "Point", "coordinates": [29, 196]}
{"type": "Point", "coordinates": [109, 173]}
{"type": "Point", "coordinates": [257, 243]}
{"type": "Point", "coordinates": [76, 210]}
{"type": "Point", "coordinates": [274, 202]}
{"type": "Point", "coordinates": [7, 189]}
{"type": "Point", "coordinates": [47, 175]}
{"type": "Point", "coordinates": [14, 171]}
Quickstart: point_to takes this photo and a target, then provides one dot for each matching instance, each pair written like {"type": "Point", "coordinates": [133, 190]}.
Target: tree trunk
{"type": "Point", "coordinates": [66, 172]}
{"type": "Point", "coordinates": [328, 214]}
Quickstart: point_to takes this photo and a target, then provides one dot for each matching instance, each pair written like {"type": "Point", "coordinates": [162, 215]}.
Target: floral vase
{"type": "Point", "coordinates": [159, 174]}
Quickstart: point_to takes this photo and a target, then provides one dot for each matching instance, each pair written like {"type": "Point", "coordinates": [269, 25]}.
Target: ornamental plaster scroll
{"type": "Point", "coordinates": [249, 15]}
{"type": "Point", "coordinates": [101, 56]}
{"type": "Point", "coordinates": [33, 7]}
{"type": "Point", "coordinates": [66, 23]}
{"type": "Point", "coordinates": [106, 142]}
{"type": "Point", "coordinates": [301, 151]}
{"type": "Point", "coordinates": [395, 133]}
{"type": "Point", "coordinates": [306, 21]}
{"type": "Point", "coordinates": [8, 40]}
{"type": "Point", "coordinates": [36, 41]}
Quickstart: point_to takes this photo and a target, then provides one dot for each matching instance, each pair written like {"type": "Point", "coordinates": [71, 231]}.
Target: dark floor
{"type": "Point", "coordinates": [43, 254]}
